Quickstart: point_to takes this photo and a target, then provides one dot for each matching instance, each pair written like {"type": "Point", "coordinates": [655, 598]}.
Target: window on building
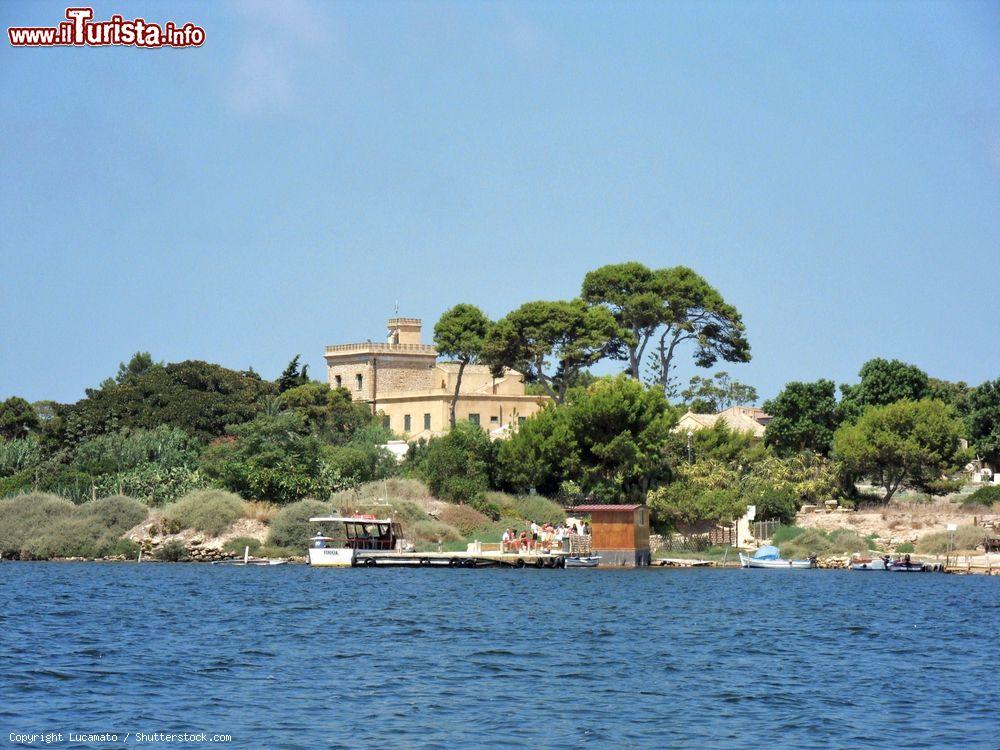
{"type": "Point", "coordinates": [427, 421]}
{"type": "Point", "coordinates": [642, 517]}
{"type": "Point", "coordinates": [385, 421]}
{"type": "Point", "coordinates": [520, 420]}
{"type": "Point", "coordinates": [494, 420]}
{"type": "Point", "coordinates": [338, 381]}
{"type": "Point", "coordinates": [406, 423]}
{"type": "Point", "coordinates": [474, 418]}
{"type": "Point", "coordinates": [359, 381]}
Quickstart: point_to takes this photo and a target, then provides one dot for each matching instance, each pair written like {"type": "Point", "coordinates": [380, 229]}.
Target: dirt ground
{"type": "Point", "coordinates": [897, 523]}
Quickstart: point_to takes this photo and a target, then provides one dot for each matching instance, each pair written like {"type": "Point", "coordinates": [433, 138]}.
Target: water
{"type": "Point", "coordinates": [294, 657]}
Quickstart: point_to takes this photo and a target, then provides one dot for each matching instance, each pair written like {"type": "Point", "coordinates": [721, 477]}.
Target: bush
{"type": "Point", "coordinates": [528, 508]}
{"type": "Point", "coordinates": [431, 532]}
{"type": "Point", "coordinates": [817, 542]}
{"type": "Point", "coordinates": [905, 548]}
{"type": "Point", "coordinates": [27, 515]}
{"type": "Point", "coordinates": [456, 466]}
{"type": "Point", "coordinates": [211, 511]}
{"type": "Point", "coordinates": [466, 519]}
{"type": "Point", "coordinates": [964, 538]}
{"type": "Point", "coordinates": [117, 513]}
{"type": "Point", "coordinates": [74, 536]}
{"type": "Point", "coordinates": [984, 496]}
{"type": "Point", "coordinates": [172, 551]}
{"type": "Point", "coordinates": [784, 534]}
{"type": "Point", "coordinates": [240, 543]}
{"type": "Point", "coordinates": [777, 502]}
{"type": "Point", "coordinates": [291, 528]}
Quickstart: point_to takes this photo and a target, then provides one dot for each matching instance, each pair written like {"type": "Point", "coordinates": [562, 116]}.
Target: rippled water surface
{"type": "Point", "coordinates": [295, 657]}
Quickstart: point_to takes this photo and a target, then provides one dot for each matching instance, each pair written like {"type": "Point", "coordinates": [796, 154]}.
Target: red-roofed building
{"type": "Point", "coordinates": [619, 533]}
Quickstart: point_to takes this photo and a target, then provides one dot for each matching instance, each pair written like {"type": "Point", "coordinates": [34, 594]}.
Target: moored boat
{"type": "Point", "coordinates": [360, 532]}
{"type": "Point", "coordinates": [905, 565]}
{"type": "Point", "coordinates": [770, 557]}
{"type": "Point", "coordinates": [860, 562]}
{"type": "Point", "coordinates": [582, 562]}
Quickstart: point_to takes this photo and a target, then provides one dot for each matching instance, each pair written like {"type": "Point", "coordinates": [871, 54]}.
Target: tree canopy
{"type": "Point", "coordinates": [717, 393]}
{"type": "Point", "coordinates": [983, 420]}
{"type": "Point", "coordinates": [667, 307]}
{"type": "Point", "coordinates": [804, 416]}
{"type": "Point", "coordinates": [608, 438]}
{"type": "Point", "coordinates": [906, 442]}
{"type": "Point", "coordinates": [883, 382]}
{"type": "Point", "coordinates": [551, 343]}
{"type": "Point", "coordinates": [17, 418]}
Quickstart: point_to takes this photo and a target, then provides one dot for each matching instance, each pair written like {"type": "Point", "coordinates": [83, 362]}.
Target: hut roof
{"type": "Point", "coordinates": [604, 508]}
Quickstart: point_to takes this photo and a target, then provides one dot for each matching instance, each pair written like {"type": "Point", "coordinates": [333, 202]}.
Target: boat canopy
{"type": "Point", "coordinates": [767, 553]}
{"type": "Point", "coordinates": [349, 519]}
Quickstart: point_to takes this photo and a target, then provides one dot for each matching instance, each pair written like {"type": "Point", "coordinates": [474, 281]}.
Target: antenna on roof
{"type": "Point", "coordinates": [397, 307]}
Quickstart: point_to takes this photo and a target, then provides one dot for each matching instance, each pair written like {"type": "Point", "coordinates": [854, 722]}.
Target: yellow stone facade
{"type": "Point", "coordinates": [402, 380]}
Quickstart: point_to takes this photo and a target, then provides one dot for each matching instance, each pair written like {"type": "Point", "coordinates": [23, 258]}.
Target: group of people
{"type": "Point", "coordinates": [542, 537]}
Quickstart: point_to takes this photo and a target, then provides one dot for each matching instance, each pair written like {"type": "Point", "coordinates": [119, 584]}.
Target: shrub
{"type": "Point", "coordinates": [784, 534]}
{"type": "Point", "coordinates": [528, 507]}
{"type": "Point", "coordinates": [904, 548]}
{"type": "Point", "coordinates": [291, 527]}
{"type": "Point", "coordinates": [261, 510]}
{"type": "Point", "coordinates": [964, 538]}
{"type": "Point", "coordinates": [466, 519]}
{"type": "Point", "coordinates": [172, 551]}
{"type": "Point", "coordinates": [984, 496]}
{"type": "Point", "coordinates": [117, 513]}
{"type": "Point", "coordinates": [433, 531]}
{"type": "Point", "coordinates": [73, 536]}
{"type": "Point", "coordinates": [211, 511]}
{"type": "Point", "coordinates": [817, 542]}
{"type": "Point", "coordinates": [269, 550]}
{"type": "Point", "coordinates": [27, 515]}
{"type": "Point", "coordinates": [240, 543]}
{"type": "Point", "coordinates": [406, 512]}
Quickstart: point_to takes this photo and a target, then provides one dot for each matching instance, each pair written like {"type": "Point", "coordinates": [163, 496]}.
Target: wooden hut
{"type": "Point", "coordinates": [619, 533]}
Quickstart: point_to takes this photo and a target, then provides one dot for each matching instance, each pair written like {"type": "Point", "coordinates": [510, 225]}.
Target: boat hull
{"type": "Point", "coordinates": [331, 557]}
{"type": "Point", "coordinates": [778, 564]}
{"type": "Point", "coordinates": [581, 562]}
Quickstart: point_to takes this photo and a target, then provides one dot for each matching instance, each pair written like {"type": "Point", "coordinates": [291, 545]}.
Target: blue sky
{"type": "Point", "coordinates": [834, 169]}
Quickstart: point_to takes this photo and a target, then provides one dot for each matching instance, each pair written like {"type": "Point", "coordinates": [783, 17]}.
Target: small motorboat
{"type": "Point", "coordinates": [860, 562]}
{"type": "Point", "coordinates": [770, 557]}
{"type": "Point", "coordinates": [247, 560]}
{"type": "Point", "coordinates": [905, 565]}
{"type": "Point", "coordinates": [583, 562]}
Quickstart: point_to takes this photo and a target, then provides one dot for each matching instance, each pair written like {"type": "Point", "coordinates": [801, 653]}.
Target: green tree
{"type": "Point", "coordinates": [983, 421]}
{"type": "Point", "coordinates": [456, 466]}
{"type": "Point", "coordinates": [140, 363]}
{"type": "Point", "coordinates": [883, 382]}
{"type": "Point", "coordinates": [634, 295]}
{"type": "Point", "coordinates": [17, 418]}
{"type": "Point", "coordinates": [905, 442]}
{"type": "Point", "coordinates": [552, 343]}
{"type": "Point", "coordinates": [804, 416]}
{"type": "Point", "coordinates": [608, 437]}
{"type": "Point", "coordinates": [460, 334]}
{"type": "Point", "coordinates": [671, 306]}
{"type": "Point", "coordinates": [292, 375]}
{"type": "Point", "coordinates": [330, 413]}
{"type": "Point", "coordinates": [695, 312]}
{"type": "Point", "coordinates": [272, 458]}
{"type": "Point", "coordinates": [197, 397]}
{"type": "Point", "coordinates": [718, 393]}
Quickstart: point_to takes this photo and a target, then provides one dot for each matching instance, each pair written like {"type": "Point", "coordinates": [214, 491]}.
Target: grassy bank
{"type": "Point", "coordinates": [214, 523]}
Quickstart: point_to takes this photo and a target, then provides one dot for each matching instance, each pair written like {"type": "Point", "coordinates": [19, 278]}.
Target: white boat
{"type": "Point", "coordinates": [247, 560]}
{"type": "Point", "coordinates": [360, 532]}
{"type": "Point", "coordinates": [770, 557]}
{"type": "Point", "coordinates": [862, 562]}
{"type": "Point", "coordinates": [583, 562]}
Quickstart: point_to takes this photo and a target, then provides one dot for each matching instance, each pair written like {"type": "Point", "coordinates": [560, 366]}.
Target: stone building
{"type": "Point", "coordinates": [402, 380]}
{"type": "Point", "coordinates": [737, 418]}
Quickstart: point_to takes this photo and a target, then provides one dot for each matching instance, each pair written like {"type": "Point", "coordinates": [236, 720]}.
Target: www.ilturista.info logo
{"type": "Point", "coordinates": [80, 30]}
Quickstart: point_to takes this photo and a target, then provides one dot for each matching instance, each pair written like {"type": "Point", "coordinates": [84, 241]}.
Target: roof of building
{"type": "Point", "coordinates": [599, 508]}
